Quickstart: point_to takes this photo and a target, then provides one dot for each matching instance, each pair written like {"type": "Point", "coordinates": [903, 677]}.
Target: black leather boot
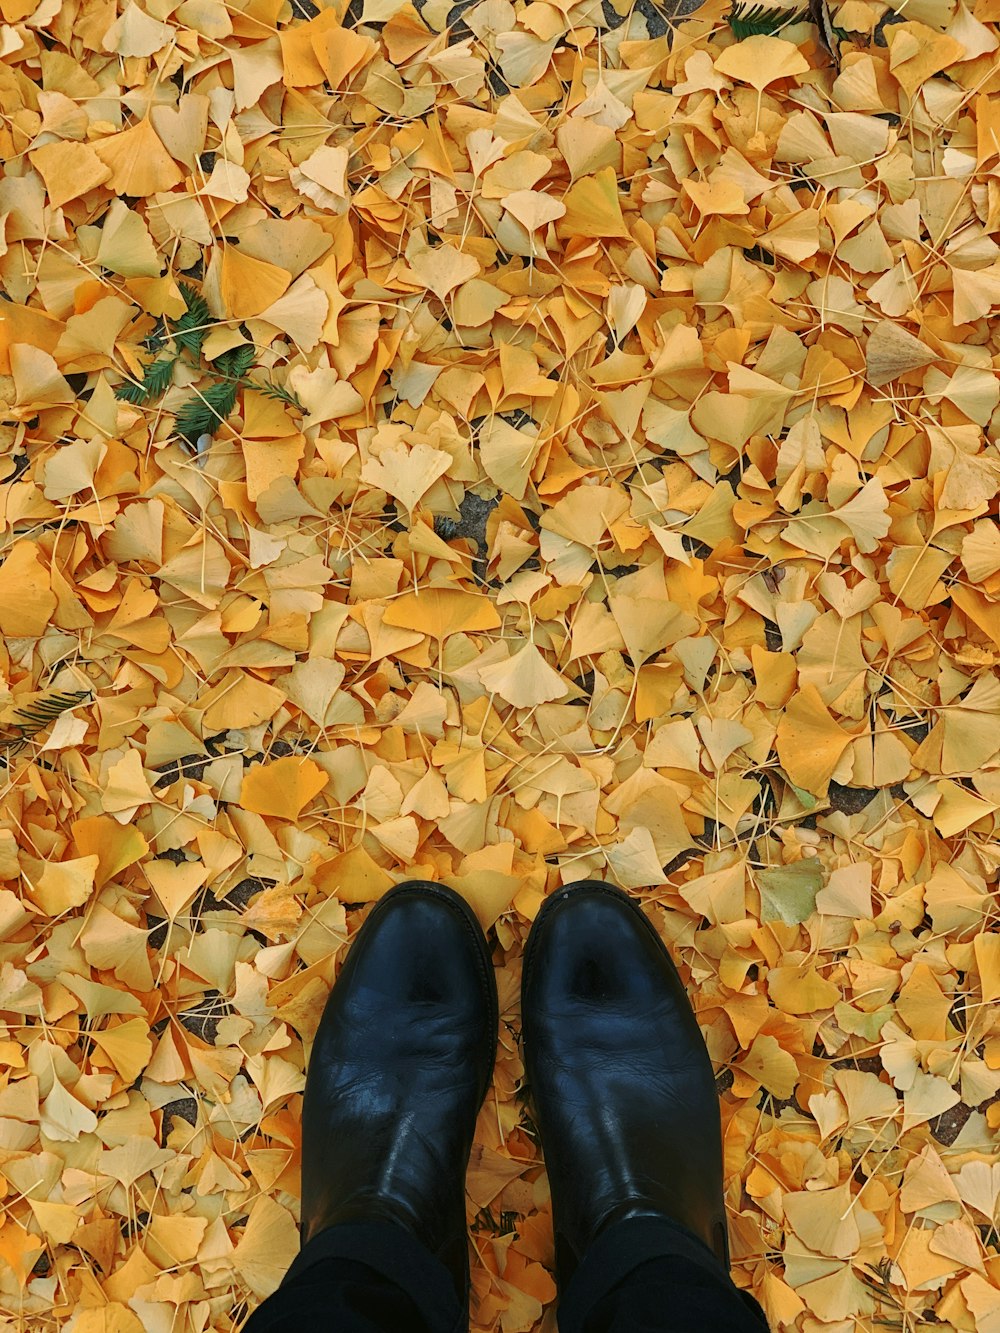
{"type": "Point", "coordinates": [618, 1074]}
{"type": "Point", "coordinates": [399, 1069]}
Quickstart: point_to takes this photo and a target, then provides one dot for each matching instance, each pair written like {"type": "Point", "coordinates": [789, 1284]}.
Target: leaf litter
{"type": "Point", "coordinates": [612, 491]}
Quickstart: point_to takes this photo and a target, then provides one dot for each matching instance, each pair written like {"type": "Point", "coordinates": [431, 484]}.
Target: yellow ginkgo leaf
{"type": "Point", "coordinates": [800, 990]}
{"type": "Point", "coordinates": [173, 1240]}
{"type": "Point", "coordinates": [406, 473]}
{"type": "Point", "coordinates": [38, 381]}
{"type": "Point", "coordinates": [63, 884]}
{"type": "Point", "coordinates": [322, 177]}
{"type": "Point", "coordinates": [126, 246]}
{"type": "Point", "coordinates": [138, 162]}
{"type": "Point", "coordinates": [400, 837]}
{"type": "Point", "coordinates": [127, 1046]}
{"type": "Point", "coordinates": [64, 1117]}
{"type": "Point", "coordinates": [533, 208]}
{"type": "Point", "coordinates": [476, 302]}
{"type": "Point", "coordinates": [866, 515]}
{"type": "Point", "coordinates": [760, 60]}
{"type": "Point", "coordinates": [250, 285]}
{"type": "Point", "coordinates": [721, 196]}
{"type": "Point", "coordinates": [69, 170]}
{"type": "Point", "coordinates": [593, 207]}
{"type": "Point", "coordinates": [265, 418]}
{"type": "Point", "coordinates": [810, 741]}
{"type": "Point", "coordinates": [267, 461]}
{"type": "Point", "coordinates": [441, 611]}
{"type": "Point", "coordinates": [137, 33]}
{"type": "Point", "coordinates": [58, 1221]}
{"type": "Point", "coordinates": [313, 685]}
{"type": "Point", "coordinates": [508, 454]}
{"type": "Point", "coordinates": [928, 1096]}
{"type": "Point", "coordinates": [770, 1067]}
{"type": "Point", "coordinates": [848, 892]}
{"type": "Point", "coordinates": [442, 269]}
{"type": "Point", "coordinates": [175, 885]}
{"type": "Point", "coordinates": [634, 861]}
{"type": "Point", "coordinates": [282, 788]}
{"type": "Point", "coordinates": [126, 786]}
{"type": "Point", "coordinates": [300, 313]}
{"type": "Point", "coordinates": [987, 954]}
{"type": "Point", "coordinates": [26, 599]}
{"type": "Point", "coordinates": [115, 845]}
{"type": "Point", "coordinates": [525, 679]}
{"type": "Point", "coordinates": [19, 1251]}
{"type": "Point", "coordinates": [892, 351]}
{"type": "Point", "coordinates": [269, 1243]}
{"type": "Point", "coordinates": [72, 469]}
{"type": "Point", "coordinates": [827, 1221]}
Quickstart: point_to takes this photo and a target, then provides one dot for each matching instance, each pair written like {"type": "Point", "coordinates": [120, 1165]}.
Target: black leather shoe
{"type": "Point", "coordinates": [399, 1069]}
{"type": "Point", "coordinates": [618, 1073]}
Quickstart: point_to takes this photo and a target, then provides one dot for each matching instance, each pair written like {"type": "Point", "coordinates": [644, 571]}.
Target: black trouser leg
{"type": "Point", "coordinates": [641, 1276]}
{"type": "Point", "coordinates": [365, 1277]}
{"type": "Point", "coordinates": [650, 1276]}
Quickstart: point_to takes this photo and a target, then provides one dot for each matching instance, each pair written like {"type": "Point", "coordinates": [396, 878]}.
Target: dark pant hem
{"type": "Point", "coordinates": [682, 1286]}
{"type": "Point", "coordinates": [394, 1253]}
{"type": "Point", "coordinates": [625, 1246]}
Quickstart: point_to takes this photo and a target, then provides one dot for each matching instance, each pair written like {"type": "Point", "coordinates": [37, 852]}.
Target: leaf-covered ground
{"type": "Point", "coordinates": [504, 444]}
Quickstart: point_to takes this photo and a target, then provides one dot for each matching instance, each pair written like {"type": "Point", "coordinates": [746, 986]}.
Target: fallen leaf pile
{"type": "Point", "coordinates": [615, 496]}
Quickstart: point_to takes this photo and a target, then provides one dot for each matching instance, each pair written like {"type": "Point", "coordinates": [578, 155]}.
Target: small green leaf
{"type": "Point", "coordinates": [860, 1024]}
{"type": "Point", "coordinates": [805, 798]}
{"type": "Point", "coordinates": [788, 893]}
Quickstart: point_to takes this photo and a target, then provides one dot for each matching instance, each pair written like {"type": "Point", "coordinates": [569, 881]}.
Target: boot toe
{"type": "Point", "coordinates": [593, 948]}
{"type": "Point", "coordinates": [421, 951]}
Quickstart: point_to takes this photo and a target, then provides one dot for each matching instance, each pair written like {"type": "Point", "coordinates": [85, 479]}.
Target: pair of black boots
{"type": "Point", "coordinates": [620, 1081]}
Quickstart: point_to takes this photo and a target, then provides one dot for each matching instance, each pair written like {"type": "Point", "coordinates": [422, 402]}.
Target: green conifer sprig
{"type": "Point", "coordinates": [278, 391]}
{"type": "Point", "coordinates": [155, 382]}
{"type": "Point", "coordinates": [190, 329]}
{"type": "Point", "coordinates": [206, 411]}
{"type": "Point", "coordinates": [761, 20]}
{"type": "Point", "coordinates": [210, 406]}
{"type": "Point", "coordinates": [237, 361]}
{"type": "Point", "coordinates": [749, 20]}
{"type": "Point", "coordinates": [23, 723]}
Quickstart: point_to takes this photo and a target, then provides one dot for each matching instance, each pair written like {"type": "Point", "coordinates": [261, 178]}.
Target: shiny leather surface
{"type": "Point", "coordinates": [618, 1075]}
{"type": "Point", "coordinates": [400, 1066]}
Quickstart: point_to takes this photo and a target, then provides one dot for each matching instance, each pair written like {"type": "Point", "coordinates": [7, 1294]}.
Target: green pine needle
{"type": "Point", "coordinates": [237, 361]}
{"type": "Point", "coordinates": [271, 390]}
{"type": "Point", "coordinates": [759, 21]}
{"type": "Point", "coordinates": [155, 382]}
{"type": "Point", "coordinates": [206, 411]}
{"type": "Point", "coordinates": [189, 331]}
{"type": "Point", "coordinates": [36, 716]}
{"type": "Point", "coordinates": [211, 405]}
